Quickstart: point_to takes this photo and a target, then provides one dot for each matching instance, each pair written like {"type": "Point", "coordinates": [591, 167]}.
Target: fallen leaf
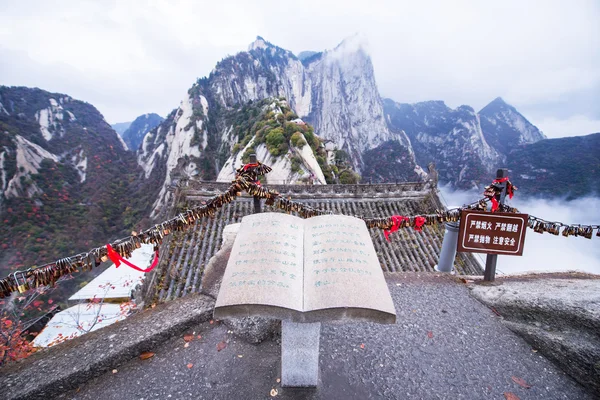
{"type": "Point", "coordinates": [199, 337]}
{"type": "Point", "coordinates": [190, 365]}
{"type": "Point", "coordinates": [186, 345]}
{"type": "Point", "coordinates": [153, 305]}
{"type": "Point", "coordinates": [430, 335]}
{"type": "Point", "coordinates": [114, 371]}
{"type": "Point", "coordinates": [495, 311]}
{"type": "Point", "coordinates": [240, 355]}
{"type": "Point", "coordinates": [146, 355]}
{"type": "Point", "coordinates": [188, 338]}
{"type": "Point", "coordinates": [463, 280]}
{"type": "Point", "coordinates": [50, 301]}
{"type": "Point", "coordinates": [273, 392]}
{"type": "Point", "coordinates": [221, 346]}
{"type": "Point", "coordinates": [511, 396]}
{"type": "Point", "coordinates": [521, 382]}
{"type": "Point", "coordinates": [278, 380]}
{"type": "Point", "coordinates": [211, 322]}
{"type": "Point", "coordinates": [362, 345]}
{"type": "Point", "coordinates": [534, 350]}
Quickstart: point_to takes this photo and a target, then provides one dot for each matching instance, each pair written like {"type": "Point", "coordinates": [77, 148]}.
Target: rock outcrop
{"type": "Point", "coordinates": [559, 315]}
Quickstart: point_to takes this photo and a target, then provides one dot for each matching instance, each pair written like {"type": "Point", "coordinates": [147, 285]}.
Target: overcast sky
{"type": "Point", "coordinates": [132, 57]}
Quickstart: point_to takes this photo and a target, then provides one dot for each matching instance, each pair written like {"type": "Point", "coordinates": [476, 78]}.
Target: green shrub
{"type": "Point", "coordinates": [298, 140]}
{"type": "Point", "coordinates": [296, 163]}
{"type": "Point", "coordinates": [274, 140]}
{"type": "Point", "coordinates": [348, 177]}
{"type": "Point", "coordinates": [290, 115]}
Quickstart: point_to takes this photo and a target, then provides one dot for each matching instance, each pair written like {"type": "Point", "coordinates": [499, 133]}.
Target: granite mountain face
{"type": "Point", "coordinates": [334, 92]}
{"type": "Point", "coordinates": [504, 127]}
{"type": "Point", "coordinates": [135, 132]}
{"type": "Point", "coordinates": [66, 178]}
{"type": "Point", "coordinates": [467, 147]}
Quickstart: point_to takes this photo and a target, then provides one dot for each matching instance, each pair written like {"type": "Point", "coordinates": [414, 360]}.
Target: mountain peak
{"type": "Point", "coordinates": [504, 127]}
{"type": "Point", "coordinates": [259, 43]}
{"type": "Point", "coordinates": [353, 44]}
{"type": "Point", "coordinates": [496, 105]}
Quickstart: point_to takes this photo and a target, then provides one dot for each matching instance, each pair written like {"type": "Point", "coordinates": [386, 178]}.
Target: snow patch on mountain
{"type": "Point", "coordinates": [2, 109]}
{"type": "Point", "coordinates": [29, 159]}
{"type": "Point", "coordinates": [122, 142]}
{"type": "Point", "coordinates": [79, 160]}
{"type": "Point", "coordinates": [3, 170]}
{"type": "Point", "coordinates": [49, 120]}
{"type": "Point", "coordinates": [176, 145]}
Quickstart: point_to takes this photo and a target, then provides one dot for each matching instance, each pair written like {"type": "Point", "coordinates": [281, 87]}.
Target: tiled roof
{"type": "Point", "coordinates": [185, 254]}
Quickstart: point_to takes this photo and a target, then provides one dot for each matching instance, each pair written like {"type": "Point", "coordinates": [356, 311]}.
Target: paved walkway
{"type": "Point", "coordinates": [445, 345]}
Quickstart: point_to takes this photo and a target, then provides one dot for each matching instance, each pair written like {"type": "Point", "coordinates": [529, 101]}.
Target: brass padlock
{"type": "Point", "coordinates": [21, 287]}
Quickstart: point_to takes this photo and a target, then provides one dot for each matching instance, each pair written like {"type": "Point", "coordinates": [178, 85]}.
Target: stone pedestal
{"type": "Point", "coordinates": [300, 354]}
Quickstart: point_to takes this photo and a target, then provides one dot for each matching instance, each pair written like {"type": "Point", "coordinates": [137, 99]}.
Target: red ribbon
{"type": "Point", "coordinates": [494, 203]}
{"type": "Point", "coordinates": [248, 166]}
{"type": "Point", "coordinates": [509, 190]}
{"type": "Point", "coordinates": [419, 222]}
{"type": "Point", "coordinates": [117, 260]}
{"type": "Point", "coordinates": [396, 221]}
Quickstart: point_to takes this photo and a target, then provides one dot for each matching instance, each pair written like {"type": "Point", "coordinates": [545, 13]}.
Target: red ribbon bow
{"type": "Point", "coordinates": [419, 222]}
{"type": "Point", "coordinates": [396, 222]}
{"type": "Point", "coordinates": [248, 166]}
{"type": "Point", "coordinates": [509, 190]}
{"type": "Point", "coordinates": [117, 259]}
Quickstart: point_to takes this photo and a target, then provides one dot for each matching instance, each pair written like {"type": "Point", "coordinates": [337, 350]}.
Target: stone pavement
{"type": "Point", "coordinates": [445, 345]}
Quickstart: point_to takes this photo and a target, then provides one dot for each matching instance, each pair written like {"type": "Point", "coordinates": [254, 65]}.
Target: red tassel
{"type": "Point", "coordinates": [248, 166]}
{"type": "Point", "coordinates": [113, 255]}
{"type": "Point", "coordinates": [117, 259]}
{"type": "Point", "coordinates": [396, 221]}
{"type": "Point", "coordinates": [494, 204]}
{"type": "Point", "coordinates": [419, 222]}
{"type": "Point", "coordinates": [500, 180]}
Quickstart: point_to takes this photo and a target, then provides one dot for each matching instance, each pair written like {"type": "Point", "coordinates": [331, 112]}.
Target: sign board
{"type": "Point", "coordinates": [492, 233]}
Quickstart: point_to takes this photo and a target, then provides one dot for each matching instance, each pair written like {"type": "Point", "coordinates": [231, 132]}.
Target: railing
{"type": "Point", "coordinates": [194, 188]}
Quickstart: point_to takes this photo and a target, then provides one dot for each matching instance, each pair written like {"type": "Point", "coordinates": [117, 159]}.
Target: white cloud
{"type": "Point", "coordinates": [463, 52]}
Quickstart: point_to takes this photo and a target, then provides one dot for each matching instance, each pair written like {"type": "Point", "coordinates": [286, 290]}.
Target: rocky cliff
{"type": "Point", "coordinates": [66, 179]}
{"type": "Point", "coordinates": [135, 132]}
{"type": "Point", "coordinates": [557, 314]}
{"type": "Point", "coordinates": [451, 138]}
{"type": "Point", "coordinates": [467, 147]}
{"type": "Point", "coordinates": [334, 91]}
{"type": "Point", "coordinates": [281, 140]}
{"type": "Point", "coordinates": [504, 128]}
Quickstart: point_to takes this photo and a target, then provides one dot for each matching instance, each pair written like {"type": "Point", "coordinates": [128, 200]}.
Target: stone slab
{"type": "Point", "coordinates": [65, 366]}
{"type": "Point", "coordinates": [558, 314]}
{"type": "Point", "coordinates": [445, 345]}
{"type": "Point", "coordinates": [300, 354]}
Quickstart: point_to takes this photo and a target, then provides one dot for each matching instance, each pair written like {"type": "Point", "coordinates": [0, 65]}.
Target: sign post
{"type": "Point", "coordinates": [492, 233]}
{"type": "Point", "coordinates": [257, 208]}
{"type": "Point", "coordinates": [489, 274]}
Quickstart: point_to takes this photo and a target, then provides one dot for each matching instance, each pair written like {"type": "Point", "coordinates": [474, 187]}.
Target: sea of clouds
{"type": "Point", "coordinates": [546, 252]}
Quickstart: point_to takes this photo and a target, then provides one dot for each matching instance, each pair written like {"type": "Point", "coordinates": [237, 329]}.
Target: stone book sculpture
{"type": "Point", "coordinates": [318, 269]}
